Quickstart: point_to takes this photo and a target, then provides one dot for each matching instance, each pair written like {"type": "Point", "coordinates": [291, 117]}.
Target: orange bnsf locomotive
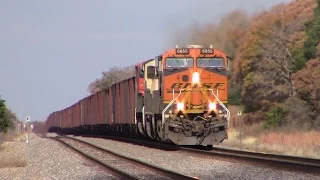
{"type": "Point", "coordinates": [185, 97]}
{"type": "Point", "coordinates": [179, 97]}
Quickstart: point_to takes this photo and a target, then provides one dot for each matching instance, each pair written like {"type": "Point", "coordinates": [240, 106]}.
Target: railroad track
{"type": "Point", "coordinates": [123, 167]}
{"type": "Point", "coordinates": [291, 163]}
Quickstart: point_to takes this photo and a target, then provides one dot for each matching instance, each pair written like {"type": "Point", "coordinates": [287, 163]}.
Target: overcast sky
{"type": "Point", "coordinates": [51, 50]}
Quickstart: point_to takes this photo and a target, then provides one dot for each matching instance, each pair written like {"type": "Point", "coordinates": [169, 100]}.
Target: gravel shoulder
{"type": "Point", "coordinates": [200, 167]}
{"type": "Point", "coordinates": [44, 159]}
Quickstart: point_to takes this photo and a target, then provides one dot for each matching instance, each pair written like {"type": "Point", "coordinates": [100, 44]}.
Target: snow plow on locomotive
{"type": "Point", "coordinates": [178, 97]}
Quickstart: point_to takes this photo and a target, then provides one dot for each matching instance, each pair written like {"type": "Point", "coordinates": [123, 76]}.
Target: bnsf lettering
{"type": "Point", "coordinates": [189, 85]}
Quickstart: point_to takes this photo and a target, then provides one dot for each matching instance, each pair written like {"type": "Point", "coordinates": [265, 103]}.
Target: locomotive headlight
{"type": "Point", "coordinates": [180, 106]}
{"type": "Point", "coordinates": [212, 106]}
{"type": "Point", "coordinates": [195, 77]}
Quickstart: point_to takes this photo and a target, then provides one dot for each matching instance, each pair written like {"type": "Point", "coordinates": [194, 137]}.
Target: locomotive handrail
{"type": "Point", "coordinates": [171, 102]}
{"type": "Point", "coordinates": [221, 104]}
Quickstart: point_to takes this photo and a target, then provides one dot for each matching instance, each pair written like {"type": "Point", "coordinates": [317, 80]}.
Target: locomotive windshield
{"type": "Point", "coordinates": [141, 73]}
{"type": "Point", "coordinates": [179, 62]}
{"type": "Point", "coordinates": [210, 62]}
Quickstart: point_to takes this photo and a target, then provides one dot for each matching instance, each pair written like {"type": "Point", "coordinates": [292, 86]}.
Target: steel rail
{"type": "Point", "coordinates": [136, 162]}
{"type": "Point", "coordinates": [284, 161]}
{"type": "Point", "coordinates": [118, 172]}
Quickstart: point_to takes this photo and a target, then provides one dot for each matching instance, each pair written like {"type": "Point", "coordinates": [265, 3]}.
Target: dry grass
{"type": "Point", "coordinates": [12, 136]}
{"type": "Point", "coordinates": [11, 150]}
{"type": "Point", "coordinates": [7, 137]}
{"type": "Point", "coordinates": [11, 156]}
{"type": "Point", "coordinates": [288, 142]}
{"type": "Point", "coordinates": [295, 143]}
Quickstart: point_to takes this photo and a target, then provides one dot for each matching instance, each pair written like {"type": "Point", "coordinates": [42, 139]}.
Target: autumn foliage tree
{"type": "Point", "coordinates": [110, 77]}
{"type": "Point", "coordinates": [264, 62]}
{"type": "Point", "coordinates": [309, 49]}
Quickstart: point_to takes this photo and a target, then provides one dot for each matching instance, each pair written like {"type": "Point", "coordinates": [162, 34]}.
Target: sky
{"type": "Point", "coordinates": [50, 51]}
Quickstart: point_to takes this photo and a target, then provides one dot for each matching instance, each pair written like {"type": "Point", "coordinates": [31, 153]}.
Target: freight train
{"type": "Point", "coordinates": [179, 97]}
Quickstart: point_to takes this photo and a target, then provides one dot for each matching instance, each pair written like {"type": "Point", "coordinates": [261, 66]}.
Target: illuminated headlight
{"type": "Point", "coordinates": [180, 106]}
{"type": "Point", "coordinates": [195, 77]}
{"type": "Point", "coordinates": [212, 106]}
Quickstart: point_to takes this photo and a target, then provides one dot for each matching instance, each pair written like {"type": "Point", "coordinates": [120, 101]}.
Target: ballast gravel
{"type": "Point", "coordinates": [200, 167]}
{"type": "Point", "coordinates": [44, 159]}
{"type": "Point", "coordinates": [136, 171]}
